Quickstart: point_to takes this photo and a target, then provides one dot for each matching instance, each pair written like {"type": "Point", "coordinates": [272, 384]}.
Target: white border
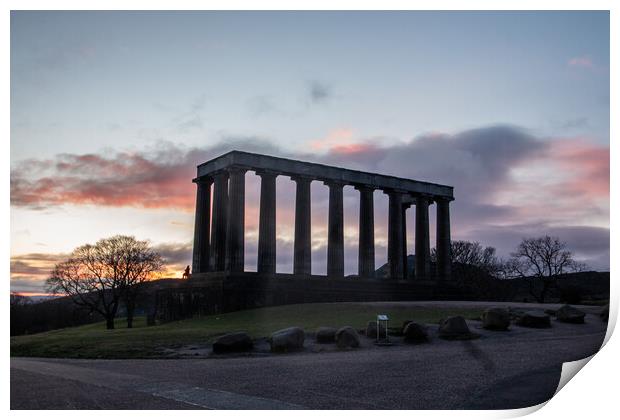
{"type": "Point", "coordinates": [591, 395]}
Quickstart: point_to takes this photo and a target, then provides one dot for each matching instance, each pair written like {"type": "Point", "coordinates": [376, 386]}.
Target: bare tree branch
{"type": "Point", "coordinates": [99, 276]}
{"type": "Point", "coordinates": [542, 261]}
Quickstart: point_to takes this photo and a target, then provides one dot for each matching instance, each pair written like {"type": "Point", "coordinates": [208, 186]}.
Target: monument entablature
{"type": "Point", "coordinates": [320, 172]}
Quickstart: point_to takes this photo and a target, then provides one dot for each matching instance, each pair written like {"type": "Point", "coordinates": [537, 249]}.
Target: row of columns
{"type": "Point", "coordinates": [225, 250]}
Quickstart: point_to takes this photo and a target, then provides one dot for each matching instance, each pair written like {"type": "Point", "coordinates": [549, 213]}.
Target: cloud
{"type": "Point", "coordinates": [45, 61]}
{"type": "Point", "coordinates": [199, 103]}
{"type": "Point", "coordinates": [189, 123]}
{"type": "Point", "coordinates": [267, 104]}
{"type": "Point", "coordinates": [581, 62]}
{"type": "Point", "coordinates": [477, 162]}
{"type": "Point", "coordinates": [119, 179]}
{"type": "Point", "coordinates": [508, 184]}
{"type": "Point", "coordinates": [191, 118]}
{"type": "Point", "coordinates": [339, 137]}
{"type": "Point", "coordinates": [482, 164]}
{"type": "Point", "coordinates": [175, 255]}
{"type": "Point", "coordinates": [160, 178]}
{"type": "Point", "coordinates": [573, 123]}
{"type": "Point", "coordinates": [587, 164]}
{"type": "Point", "coordinates": [261, 105]}
{"type": "Point", "coordinates": [29, 271]}
{"type": "Point", "coordinates": [318, 92]}
{"type": "Point", "coordinates": [25, 286]}
{"type": "Point", "coordinates": [36, 265]}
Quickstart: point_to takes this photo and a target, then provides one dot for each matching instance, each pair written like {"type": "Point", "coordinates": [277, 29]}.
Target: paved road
{"type": "Point", "coordinates": [511, 369]}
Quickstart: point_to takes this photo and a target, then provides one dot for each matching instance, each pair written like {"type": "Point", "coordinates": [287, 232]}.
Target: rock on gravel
{"type": "Point", "coordinates": [570, 314]}
{"type": "Point", "coordinates": [288, 339]}
{"type": "Point", "coordinates": [455, 328]}
{"type": "Point", "coordinates": [534, 319]}
{"type": "Point", "coordinates": [415, 333]}
{"type": "Point", "coordinates": [347, 337]}
{"type": "Point", "coordinates": [325, 335]}
{"type": "Point", "coordinates": [496, 319]}
{"type": "Point", "coordinates": [405, 323]}
{"type": "Point", "coordinates": [237, 341]}
{"type": "Point", "coordinates": [515, 313]}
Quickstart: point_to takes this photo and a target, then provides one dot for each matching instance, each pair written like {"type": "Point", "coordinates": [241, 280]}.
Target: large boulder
{"type": "Point", "coordinates": [455, 328]}
{"type": "Point", "coordinates": [325, 335]}
{"type": "Point", "coordinates": [347, 337]}
{"type": "Point", "coordinates": [570, 314]}
{"type": "Point", "coordinates": [496, 319]}
{"type": "Point", "coordinates": [288, 339]}
{"type": "Point", "coordinates": [534, 319]}
{"type": "Point", "coordinates": [405, 323]}
{"type": "Point", "coordinates": [371, 330]}
{"type": "Point", "coordinates": [415, 333]}
{"type": "Point", "coordinates": [605, 313]}
{"type": "Point", "coordinates": [237, 341]}
{"type": "Point", "coordinates": [516, 313]}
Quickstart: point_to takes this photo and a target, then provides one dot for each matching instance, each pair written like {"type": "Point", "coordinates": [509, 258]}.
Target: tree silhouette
{"type": "Point", "coordinates": [99, 276]}
{"type": "Point", "coordinates": [542, 261]}
{"type": "Point", "coordinates": [475, 267]}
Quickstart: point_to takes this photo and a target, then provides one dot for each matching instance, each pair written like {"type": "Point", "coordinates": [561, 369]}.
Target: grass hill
{"type": "Point", "coordinates": [94, 341]}
{"type": "Point", "coordinates": [587, 287]}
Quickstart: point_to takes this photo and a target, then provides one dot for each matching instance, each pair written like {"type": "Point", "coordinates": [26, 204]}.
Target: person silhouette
{"type": "Point", "coordinates": [186, 273]}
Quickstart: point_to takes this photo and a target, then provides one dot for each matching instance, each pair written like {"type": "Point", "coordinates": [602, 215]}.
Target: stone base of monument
{"type": "Point", "coordinates": [218, 292]}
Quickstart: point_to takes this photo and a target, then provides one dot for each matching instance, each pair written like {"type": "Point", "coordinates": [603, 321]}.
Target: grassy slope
{"type": "Point", "coordinates": [93, 341]}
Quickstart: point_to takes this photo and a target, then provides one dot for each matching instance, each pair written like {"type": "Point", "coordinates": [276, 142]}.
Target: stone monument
{"type": "Point", "coordinates": [219, 283]}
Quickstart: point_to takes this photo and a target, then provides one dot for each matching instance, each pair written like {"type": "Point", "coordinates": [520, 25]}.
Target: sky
{"type": "Point", "coordinates": [112, 111]}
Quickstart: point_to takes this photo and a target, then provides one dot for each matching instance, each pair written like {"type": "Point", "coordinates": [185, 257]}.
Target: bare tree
{"type": "Point", "coordinates": [140, 264]}
{"type": "Point", "coordinates": [99, 276]}
{"type": "Point", "coordinates": [474, 254]}
{"type": "Point", "coordinates": [476, 268]}
{"type": "Point", "coordinates": [81, 280]}
{"type": "Point", "coordinates": [542, 261]}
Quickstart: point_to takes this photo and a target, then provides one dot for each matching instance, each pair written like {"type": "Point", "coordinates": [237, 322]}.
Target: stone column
{"type": "Point", "coordinates": [302, 263]}
{"type": "Point", "coordinates": [395, 235]}
{"type": "Point", "coordinates": [218, 222]}
{"type": "Point", "coordinates": [235, 232]}
{"type": "Point", "coordinates": [366, 254]}
{"type": "Point", "coordinates": [335, 231]}
{"type": "Point", "coordinates": [405, 263]}
{"type": "Point", "coordinates": [444, 259]}
{"type": "Point", "coordinates": [267, 223]}
{"type": "Point", "coordinates": [200, 260]}
{"type": "Point", "coordinates": [422, 242]}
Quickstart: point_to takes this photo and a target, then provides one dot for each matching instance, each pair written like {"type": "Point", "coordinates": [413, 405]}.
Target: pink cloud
{"type": "Point", "coordinates": [588, 165]}
{"type": "Point", "coordinates": [123, 179]}
{"type": "Point", "coordinates": [353, 149]}
{"type": "Point", "coordinates": [567, 184]}
{"type": "Point", "coordinates": [335, 138]}
{"type": "Point", "coordinates": [583, 62]}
